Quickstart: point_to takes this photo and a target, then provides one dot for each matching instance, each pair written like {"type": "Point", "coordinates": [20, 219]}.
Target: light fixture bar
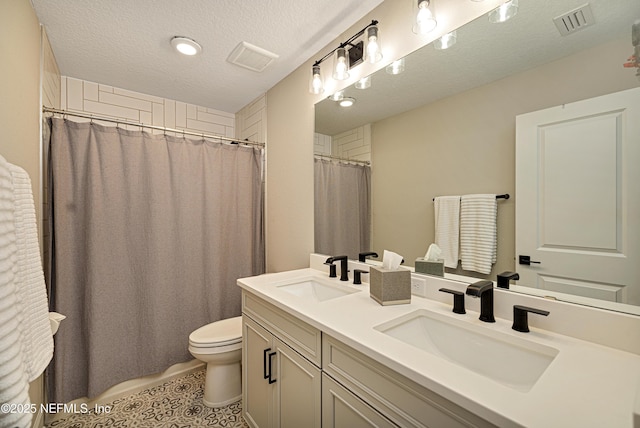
{"type": "Point", "coordinates": [345, 44]}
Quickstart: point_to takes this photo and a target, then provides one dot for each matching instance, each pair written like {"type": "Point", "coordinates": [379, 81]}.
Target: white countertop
{"type": "Point", "coordinates": [586, 385]}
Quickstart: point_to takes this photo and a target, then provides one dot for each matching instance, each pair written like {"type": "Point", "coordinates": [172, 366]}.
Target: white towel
{"type": "Point", "coordinates": [30, 286]}
{"type": "Point", "coordinates": [14, 386]}
{"type": "Point", "coordinates": [447, 221]}
{"type": "Point", "coordinates": [478, 232]}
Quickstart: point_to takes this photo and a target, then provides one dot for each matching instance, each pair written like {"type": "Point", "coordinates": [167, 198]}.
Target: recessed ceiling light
{"type": "Point", "coordinates": [347, 102]}
{"type": "Point", "coordinates": [186, 46]}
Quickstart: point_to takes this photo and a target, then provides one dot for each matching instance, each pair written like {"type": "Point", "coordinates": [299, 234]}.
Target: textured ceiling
{"type": "Point", "coordinates": [125, 43]}
{"type": "Point", "coordinates": [484, 53]}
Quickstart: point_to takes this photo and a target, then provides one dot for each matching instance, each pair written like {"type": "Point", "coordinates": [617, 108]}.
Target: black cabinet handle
{"type": "Point", "coordinates": [266, 373]}
{"type": "Point", "coordinates": [526, 260]}
{"type": "Point", "coordinates": [270, 368]}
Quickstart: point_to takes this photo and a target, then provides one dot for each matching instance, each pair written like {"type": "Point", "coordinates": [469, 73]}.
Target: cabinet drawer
{"type": "Point", "coordinates": [304, 338]}
{"type": "Point", "coordinates": [400, 399]}
{"type": "Point", "coordinates": [341, 408]}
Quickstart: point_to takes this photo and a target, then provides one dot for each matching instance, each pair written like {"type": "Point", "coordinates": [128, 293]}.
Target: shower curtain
{"type": "Point", "coordinates": [342, 212]}
{"type": "Point", "coordinates": [150, 233]}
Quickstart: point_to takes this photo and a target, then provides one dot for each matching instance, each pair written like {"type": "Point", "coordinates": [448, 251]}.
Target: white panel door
{"type": "Point", "coordinates": [578, 197]}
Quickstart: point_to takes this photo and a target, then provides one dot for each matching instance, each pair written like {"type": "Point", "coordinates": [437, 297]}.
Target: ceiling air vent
{"type": "Point", "coordinates": [575, 20]}
{"type": "Point", "coordinates": [252, 57]}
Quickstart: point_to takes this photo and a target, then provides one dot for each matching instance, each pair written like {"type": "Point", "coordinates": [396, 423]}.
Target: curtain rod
{"type": "Point", "coordinates": [365, 162]}
{"type": "Point", "coordinates": [141, 125]}
{"type": "Point", "coordinates": [505, 196]}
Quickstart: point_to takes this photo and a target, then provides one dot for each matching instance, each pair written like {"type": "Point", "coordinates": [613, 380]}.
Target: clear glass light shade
{"type": "Point", "coordinates": [186, 46]}
{"type": "Point", "coordinates": [373, 53]}
{"type": "Point", "coordinates": [446, 41]}
{"type": "Point", "coordinates": [425, 19]}
{"type": "Point", "coordinates": [341, 64]}
{"type": "Point", "coordinates": [316, 84]}
{"type": "Point", "coordinates": [337, 96]}
{"type": "Point", "coordinates": [504, 12]}
{"type": "Point", "coordinates": [363, 83]}
{"type": "Point", "coordinates": [396, 67]}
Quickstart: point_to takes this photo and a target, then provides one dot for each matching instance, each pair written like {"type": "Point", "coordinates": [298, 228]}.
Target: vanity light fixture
{"type": "Point", "coordinates": [338, 96]}
{"type": "Point", "coordinates": [316, 84]}
{"type": "Point", "coordinates": [347, 55]}
{"type": "Point", "coordinates": [425, 18]}
{"type": "Point", "coordinates": [396, 67]}
{"type": "Point", "coordinates": [186, 46]}
{"type": "Point", "coordinates": [347, 102]}
{"type": "Point", "coordinates": [363, 83]}
{"type": "Point", "coordinates": [504, 12]}
{"type": "Point", "coordinates": [446, 41]}
{"type": "Point", "coordinates": [341, 64]}
{"type": "Point", "coordinates": [373, 53]}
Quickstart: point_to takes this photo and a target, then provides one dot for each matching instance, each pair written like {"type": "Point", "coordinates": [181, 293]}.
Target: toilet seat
{"type": "Point", "coordinates": [217, 334]}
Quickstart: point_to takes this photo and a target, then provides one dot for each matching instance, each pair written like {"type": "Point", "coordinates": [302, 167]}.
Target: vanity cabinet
{"type": "Point", "coordinates": [281, 387]}
{"type": "Point", "coordinates": [395, 397]}
{"type": "Point", "coordinates": [296, 376]}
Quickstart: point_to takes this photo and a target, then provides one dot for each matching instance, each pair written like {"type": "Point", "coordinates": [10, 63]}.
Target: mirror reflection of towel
{"type": "Point", "coordinates": [447, 222]}
{"type": "Point", "coordinates": [478, 232]}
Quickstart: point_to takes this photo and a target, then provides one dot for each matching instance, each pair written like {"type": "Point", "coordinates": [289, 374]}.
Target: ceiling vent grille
{"type": "Point", "coordinates": [575, 20]}
{"type": "Point", "coordinates": [252, 57]}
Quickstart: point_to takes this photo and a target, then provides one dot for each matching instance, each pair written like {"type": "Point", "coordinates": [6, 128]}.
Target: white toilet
{"type": "Point", "coordinates": [219, 344]}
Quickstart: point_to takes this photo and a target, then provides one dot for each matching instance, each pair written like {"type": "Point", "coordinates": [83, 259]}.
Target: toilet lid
{"type": "Point", "coordinates": [218, 333]}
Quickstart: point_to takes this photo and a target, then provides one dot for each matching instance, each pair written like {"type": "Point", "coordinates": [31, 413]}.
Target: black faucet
{"type": "Point", "coordinates": [458, 300]}
{"type": "Point", "coordinates": [362, 257]}
{"type": "Point", "coordinates": [344, 266]}
{"type": "Point", "coordinates": [520, 319]}
{"type": "Point", "coordinates": [505, 277]}
{"type": "Point", "coordinates": [484, 290]}
{"type": "Point", "coordinates": [357, 275]}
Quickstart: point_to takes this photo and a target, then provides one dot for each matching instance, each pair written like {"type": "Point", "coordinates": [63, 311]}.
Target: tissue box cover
{"type": "Point", "coordinates": [430, 267]}
{"type": "Point", "coordinates": [390, 287]}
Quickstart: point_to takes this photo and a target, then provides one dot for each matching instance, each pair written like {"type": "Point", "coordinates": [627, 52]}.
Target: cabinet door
{"type": "Point", "coordinates": [342, 409]}
{"type": "Point", "coordinates": [257, 393]}
{"type": "Point", "coordinates": [298, 390]}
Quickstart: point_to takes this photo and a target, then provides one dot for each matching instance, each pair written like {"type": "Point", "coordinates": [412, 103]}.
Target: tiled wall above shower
{"type": "Point", "coordinates": [104, 100]}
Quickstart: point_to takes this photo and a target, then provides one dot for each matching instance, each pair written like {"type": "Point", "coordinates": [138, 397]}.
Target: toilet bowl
{"type": "Point", "coordinates": [219, 344]}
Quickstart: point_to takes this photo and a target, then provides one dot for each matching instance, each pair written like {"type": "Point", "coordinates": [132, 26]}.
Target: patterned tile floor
{"type": "Point", "coordinates": [174, 404]}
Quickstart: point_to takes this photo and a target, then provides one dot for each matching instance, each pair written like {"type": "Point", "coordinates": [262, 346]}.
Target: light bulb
{"type": "Point", "coordinates": [341, 65]}
{"type": "Point", "coordinates": [373, 51]}
{"type": "Point", "coordinates": [446, 41]}
{"type": "Point", "coordinates": [425, 21]}
{"type": "Point", "coordinates": [396, 67]}
{"type": "Point", "coordinates": [316, 86]}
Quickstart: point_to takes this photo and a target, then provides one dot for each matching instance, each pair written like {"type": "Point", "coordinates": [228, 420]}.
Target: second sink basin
{"type": "Point", "coordinates": [316, 289]}
{"type": "Point", "coordinates": [512, 361]}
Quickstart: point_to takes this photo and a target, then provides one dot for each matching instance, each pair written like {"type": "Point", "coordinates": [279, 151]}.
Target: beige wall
{"type": "Point", "coordinates": [466, 144]}
{"type": "Point", "coordinates": [290, 123]}
{"type": "Point", "coordinates": [20, 89]}
{"type": "Point", "coordinates": [20, 107]}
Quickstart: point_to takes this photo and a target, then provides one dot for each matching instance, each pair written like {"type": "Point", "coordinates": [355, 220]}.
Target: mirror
{"type": "Point", "coordinates": [451, 115]}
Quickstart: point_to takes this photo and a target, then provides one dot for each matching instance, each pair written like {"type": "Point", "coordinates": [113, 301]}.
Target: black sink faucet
{"type": "Point", "coordinates": [362, 257]}
{"type": "Point", "coordinates": [505, 277]}
{"type": "Point", "coordinates": [344, 266]}
{"type": "Point", "coordinates": [484, 290]}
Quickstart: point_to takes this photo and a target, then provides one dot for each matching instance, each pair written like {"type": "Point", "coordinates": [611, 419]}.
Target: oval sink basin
{"type": "Point", "coordinates": [316, 289]}
{"type": "Point", "coordinates": [511, 361]}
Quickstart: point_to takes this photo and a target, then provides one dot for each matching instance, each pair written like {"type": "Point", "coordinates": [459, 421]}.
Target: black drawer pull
{"type": "Point", "coordinates": [271, 368]}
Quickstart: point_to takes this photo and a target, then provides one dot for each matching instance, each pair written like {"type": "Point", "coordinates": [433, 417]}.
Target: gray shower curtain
{"type": "Point", "coordinates": [150, 233]}
{"type": "Point", "coordinates": [342, 212]}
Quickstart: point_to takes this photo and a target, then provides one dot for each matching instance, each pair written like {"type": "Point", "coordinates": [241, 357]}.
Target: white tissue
{"type": "Point", "coordinates": [433, 253]}
{"type": "Point", "coordinates": [391, 260]}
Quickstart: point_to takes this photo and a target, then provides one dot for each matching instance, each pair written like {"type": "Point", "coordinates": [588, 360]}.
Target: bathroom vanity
{"type": "Point", "coordinates": [318, 351]}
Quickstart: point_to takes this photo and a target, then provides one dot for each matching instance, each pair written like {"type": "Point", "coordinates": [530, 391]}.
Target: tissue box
{"type": "Point", "coordinates": [390, 287]}
{"type": "Point", "coordinates": [430, 267]}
